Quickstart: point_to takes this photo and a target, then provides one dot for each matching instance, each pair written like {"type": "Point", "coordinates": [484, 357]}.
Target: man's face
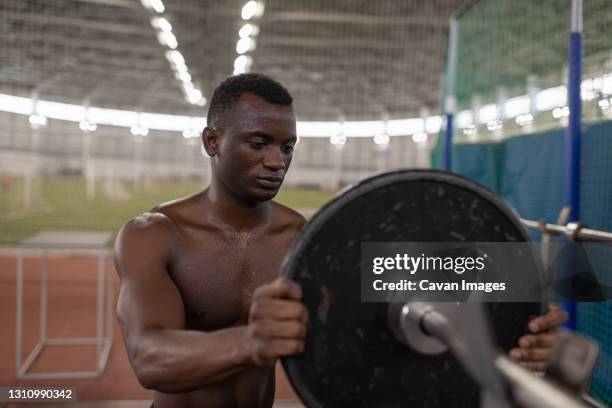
{"type": "Point", "coordinates": [254, 147]}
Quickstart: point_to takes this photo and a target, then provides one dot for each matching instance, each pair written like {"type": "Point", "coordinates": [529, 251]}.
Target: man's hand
{"type": "Point", "coordinates": [277, 322]}
{"type": "Point", "coordinates": [534, 349]}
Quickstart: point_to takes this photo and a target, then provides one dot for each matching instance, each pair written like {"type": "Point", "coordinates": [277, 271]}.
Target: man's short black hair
{"type": "Point", "coordinates": [228, 93]}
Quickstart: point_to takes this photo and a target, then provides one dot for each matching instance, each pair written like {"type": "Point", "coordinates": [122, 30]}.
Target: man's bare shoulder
{"type": "Point", "coordinates": [144, 245]}
{"type": "Point", "coordinates": [151, 222]}
{"type": "Point", "coordinates": [154, 231]}
{"type": "Point", "coordinates": [288, 217]}
{"type": "Point", "coordinates": [183, 210]}
{"type": "Point", "coordinates": [150, 231]}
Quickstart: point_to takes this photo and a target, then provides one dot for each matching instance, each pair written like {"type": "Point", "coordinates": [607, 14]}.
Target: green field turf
{"type": "Point", "coordinates": [62, 205]}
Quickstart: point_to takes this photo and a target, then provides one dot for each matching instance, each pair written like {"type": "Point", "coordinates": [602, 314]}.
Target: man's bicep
{"type": "Point", "coordinates": [148, 297]}
{"type": "Point", "coordinates": [150, 303]}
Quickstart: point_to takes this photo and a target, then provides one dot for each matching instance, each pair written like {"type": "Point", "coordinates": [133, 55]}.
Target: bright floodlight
{"type": "Point", "coordinates": [470, 130]}
{"type": "Point", "coordinates": [337, 140]}
{"type": "Point", "coordinates": [175, 57]}
{"type": "Point", "coordinates": [559, 113]}
{"type": "Point", "coordinates": [249, 10]}
{"type": "Point", "coordinates": [167, 38]}
{"type": "Point", "coordinates": [193, 96]}
{"type": "Point", "coordinates": [523, 120]}
{"type": "Point", "coordinates": [183, 76]}
{"type": "Point", "coordinates": [248, 30]}
{"type": "Point", "coordinates": [242, 64]}
{"type": "Point", "coordinates": [139, 130]}
{"type": "Point", "coordinates": [245, 44]}
{"type": "Point", "coordinates": [161, 23]}
{"type": "Point", "coordinates": [420, 137]}
{"type": "Point", "coordinates": [37, 121]}
{"type": "Point", "coordinates": [187, 87]}
{"type": "Point", "coordinates": [381, 139]}
{"type": "Point", "coordinates": [156, 5]}
{"type": "Point", "coordinates": [87, 126]}
{"type": "Point", "coordinates": [494, 125]}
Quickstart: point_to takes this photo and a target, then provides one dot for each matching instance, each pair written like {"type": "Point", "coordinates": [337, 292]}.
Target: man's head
{"type": "Point", "coordinates": [250, 135]}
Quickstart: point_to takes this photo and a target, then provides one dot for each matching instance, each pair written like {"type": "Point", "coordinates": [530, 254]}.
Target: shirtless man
{"type": "Point", "coordinates": [203, 315]}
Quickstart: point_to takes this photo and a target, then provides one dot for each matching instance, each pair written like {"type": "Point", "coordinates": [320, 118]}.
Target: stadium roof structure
{"type": "Point", "coordinates": [353, 59]}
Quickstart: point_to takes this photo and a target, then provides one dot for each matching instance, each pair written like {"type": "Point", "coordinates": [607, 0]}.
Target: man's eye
{"type": "Point", "coordinates": [288, 148]}
{"type": "Point", "coordinates": [258, 145]}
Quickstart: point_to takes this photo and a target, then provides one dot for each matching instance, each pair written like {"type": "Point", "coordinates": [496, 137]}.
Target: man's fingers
{"type": "Point", "coordinates": [530, 354]}
{"type": "Point", "coordinates": [553, 318]}
{"type": "Point", "coordinates": [279, 329]}
{"type": "Point", "coordinates": [277, 309]}
{"type": "Point", "coordinates": [537, 340]}
{"type": "Point", "coordinates": [271, 349]}
{"type": "Point", "coordinates": [537, 367]}
{"type": "Point", "coordinates": [279, 288]}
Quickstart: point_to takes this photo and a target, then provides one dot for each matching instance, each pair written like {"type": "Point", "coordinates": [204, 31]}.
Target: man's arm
{"type": "Point", "coordinates": [165, 356]}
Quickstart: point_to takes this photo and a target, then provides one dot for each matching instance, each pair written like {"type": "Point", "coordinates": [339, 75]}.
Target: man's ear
{"type": "Point", "coordinates": [210, 140]}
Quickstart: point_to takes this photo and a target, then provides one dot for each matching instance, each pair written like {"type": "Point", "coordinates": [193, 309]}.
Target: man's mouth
{"type": "Point", "coordinates": [269, 181]}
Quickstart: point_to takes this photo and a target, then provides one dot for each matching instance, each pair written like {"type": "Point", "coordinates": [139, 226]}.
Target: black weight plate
{"type": "Point", "coordinates": [351, 358]}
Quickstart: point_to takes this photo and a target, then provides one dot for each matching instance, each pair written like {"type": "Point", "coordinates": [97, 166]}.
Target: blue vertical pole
{"type": "Point", "coordinates": [573, 134]}
{"type": "Point", "coordinates": [448, 142]}
{"type": "Point", "coordinates": [449, 102]}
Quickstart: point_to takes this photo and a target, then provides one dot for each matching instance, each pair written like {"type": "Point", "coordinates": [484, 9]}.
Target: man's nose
{"type": "Point", "coordinates": [274, 160]}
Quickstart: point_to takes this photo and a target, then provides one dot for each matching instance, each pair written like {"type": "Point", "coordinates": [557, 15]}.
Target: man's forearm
{"type": "Point", "coordinates": [182, 360]}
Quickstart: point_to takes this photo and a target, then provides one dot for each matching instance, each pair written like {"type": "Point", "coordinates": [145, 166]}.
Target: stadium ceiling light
{"type": "Point", "coordinates": [168, 39]}
{"type": "Point", "coordinates": [183, 76]}
{"type": "Point", "coordinates": [470, 130]}
{"type": "Point", "coordinates": [242, 64]}
{"type": "Point", "coordinates": [514, 107]}
{"type": "Point", "coordinates": [606, 84]}
{"type": "Point", "coordinates": [251, 9]}
{"type": "Point", "coordinates": [245, 44]}
{"type": "Point", "coordinates": [161, 23]}
{"type": "Point", "coordinates": [187, 87]}
{"type": "Point", "coordinates": [175, 57]}
{"type": "Point", "coordinates": [139, 130]}
{"type": "Point", "coordinates": [87, 126]}
{"type": "Point", "coordinates": [494, 125]}
{"type": "Point", "coordinates": [465, 119]}
{"type": "Point", "coordinates": [433, 124]}
{"type": "Point", "coordinates": [37, 121]}
{"type": "Point", "coordinates": [488, 113]}
{"type": "Point", "coordinates": [551, 98]}
{"type": "Point", "coordinates": [194, 96]}
{"type": "Point", "coordinates": [180, 68]}
{"type": "Point", "coordinates": [561, 112]}
{"type": "Point", "coordinates": [178, 123]}
{"type": "Point", "coordinates": [248, 30]}
{"type": "Point", "coordinates": [247, 36]}
{"type": "Point", "coordinates": [381, 139]}
{"type": "Point", "coordinates": [420, 137]}
{"type": "Point", "coordinates": [156, 5]}
{"type": "Point", "coordinates": [523, 120]}
{"type": "Point", "coordinates": [338, 140]}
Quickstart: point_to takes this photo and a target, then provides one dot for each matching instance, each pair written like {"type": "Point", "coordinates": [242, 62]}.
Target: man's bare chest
{"type": "Point", "coordinates": [217, 275]}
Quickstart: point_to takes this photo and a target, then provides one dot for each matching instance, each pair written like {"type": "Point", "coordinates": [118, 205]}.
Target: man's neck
{"type": "Point", "coordinates": [237, 213]}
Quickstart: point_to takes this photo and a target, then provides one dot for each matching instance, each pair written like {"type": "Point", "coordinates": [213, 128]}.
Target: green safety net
{"type": "Point", "coordinates": [511, 79]}
{"type": "Point", "coordinates": [511, 67]}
